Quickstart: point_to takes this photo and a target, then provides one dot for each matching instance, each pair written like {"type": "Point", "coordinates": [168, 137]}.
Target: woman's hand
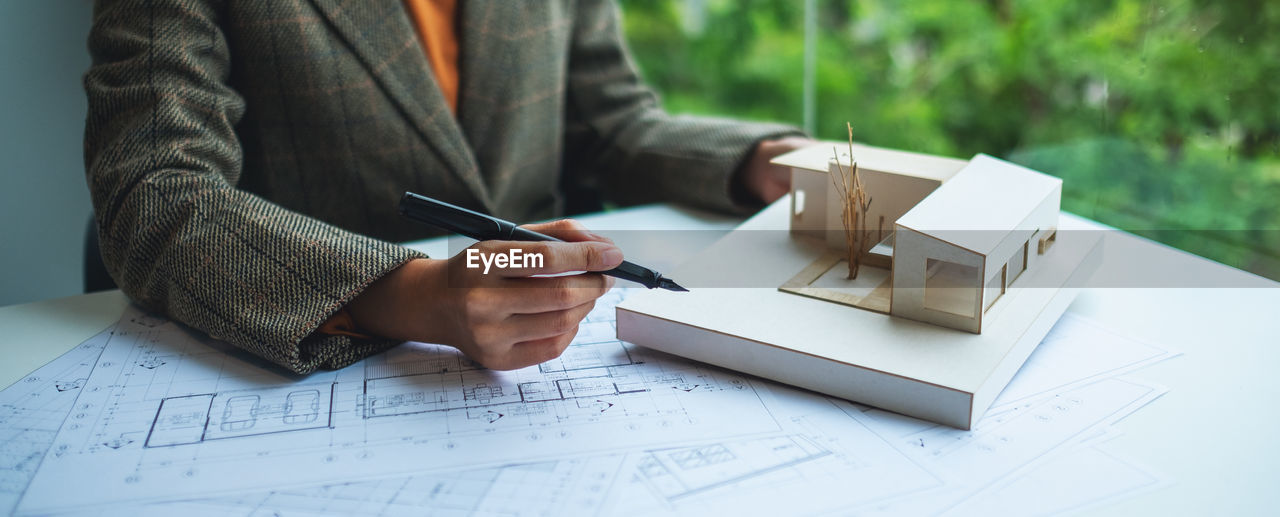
{"type": "Point", "coordinates": [766, 181]}
{"type": "Point", "coordinates": [503, 319]}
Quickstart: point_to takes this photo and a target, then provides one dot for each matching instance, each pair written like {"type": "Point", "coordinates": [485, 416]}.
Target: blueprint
{"type": "Point", "coordinates": [1076, 479]}
{"type": "Point", "coordinates": [32, 411]}
{"type": "Point", "coordinates": [166, 414]}
{"type": "Point", "coordinates": [820, 468]}
{"type": "Point", "coordinates": [170, 423]}
{"type": "Point", "coordinates": [1002, 444]}
{"type": "Point", "coordinates": [550, 488]}
{"type": "Point", "coordinates": [1077, 351]}
{"type": "Point", "coordinates": [820, 455]}
{"type": "Point", "coordinates": [808, 471]}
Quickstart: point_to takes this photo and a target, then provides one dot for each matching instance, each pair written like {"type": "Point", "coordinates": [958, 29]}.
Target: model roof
{"type": "Point", "coordinates": [981, 204]}
{"type": "Point", "coordinates": [905, 163]}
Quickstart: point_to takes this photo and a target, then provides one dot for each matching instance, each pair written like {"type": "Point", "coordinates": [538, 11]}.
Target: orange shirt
{"type": "Point", "coordinates": [436, 22]}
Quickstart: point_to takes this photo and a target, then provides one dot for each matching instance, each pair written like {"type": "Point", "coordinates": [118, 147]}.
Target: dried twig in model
{"type": "Point", "coordinates": [854, 204]}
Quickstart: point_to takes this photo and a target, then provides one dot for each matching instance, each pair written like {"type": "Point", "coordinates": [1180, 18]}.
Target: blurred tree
{"type": "Point", "coordinates": [1163, 117]}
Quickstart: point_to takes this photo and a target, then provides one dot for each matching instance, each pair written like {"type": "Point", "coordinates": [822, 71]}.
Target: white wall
{"type": "Point", "coordinates": [44, 202]}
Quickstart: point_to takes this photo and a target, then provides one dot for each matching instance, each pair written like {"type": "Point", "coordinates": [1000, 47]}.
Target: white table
{"type": "Point", "coordinates": [1211, 432]}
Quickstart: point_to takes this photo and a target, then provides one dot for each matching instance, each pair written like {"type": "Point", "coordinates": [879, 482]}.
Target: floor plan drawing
{"type": "Point", "coordinates": [1004, 444]}
{"type": "Point", "coordinates": [577, 383]}
{"type": "Point", "coordinates": [190, 419]}
{"type": "Point", "coordinates": [33, 409]}
{"type": "Point", "coordinates": [676, 474]}
{"type": "Point", "coordinates": [818, 454]}
{"type": "Point", "coordinates": [540, 489]}
{"type": "Point", "coordinates": [154, 420]}
{"type": "Point", "coordinates": [170, 414]}
{"type": "Point", "coordinates": [816, 461]}
{"type": "Point", "coordinates": [1072, 481]}
{"type": "Point", "coordinates": [1077, 352]}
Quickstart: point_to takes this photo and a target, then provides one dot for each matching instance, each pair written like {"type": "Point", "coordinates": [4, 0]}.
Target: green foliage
{"type": "Point", "coordinates": [1163, 117]}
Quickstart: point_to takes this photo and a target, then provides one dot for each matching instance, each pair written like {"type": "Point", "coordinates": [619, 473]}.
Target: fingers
{"type": "Point", "coordinates": [527, 335]}
{"type": "Point", "coordinates": [537, 295]}
{"type": "Point", "coordinates": [512, 314]}
{"type": "Point", "coordinates": [550, 258]}
{"type": "Point", "coordinates": [541, 338]}
{"type": "Point", "coordinates": [549, 324]}
{"type": "Point", "coordinates": [529, 353]}
{"type": "Point", "coordinates": [567, 230]}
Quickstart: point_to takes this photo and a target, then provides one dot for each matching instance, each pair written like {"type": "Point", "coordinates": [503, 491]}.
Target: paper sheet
{"type": "Point", "coordinates": [564, 487]}
{"type": "Point", "coordinates": [1075, 352]}
{"type": "Point", "coordinates": [805, 469]}
{"type": "Point", "coordinates": [1004, 444]}
{"type": "Point", "coordinates": [167, 415]}
{"type": "Point", "coordinates": [762, 447]}
{"type": "Point", "coordinates": [811, 469]}
{"type": "Point", "coordinates": [33, 409]}
{"type": "Point", "coordinates": [1075, 480]}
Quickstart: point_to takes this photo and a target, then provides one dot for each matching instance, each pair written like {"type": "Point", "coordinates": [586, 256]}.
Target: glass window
{"type": "Point", "coordinates": [1159, 116]}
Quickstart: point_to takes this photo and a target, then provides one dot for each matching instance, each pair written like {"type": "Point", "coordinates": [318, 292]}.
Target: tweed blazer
{"type": "Point", "coordinates": [245, 158]}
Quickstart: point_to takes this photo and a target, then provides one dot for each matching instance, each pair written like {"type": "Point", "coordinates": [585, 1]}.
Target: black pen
{"type": "Point", "coordinates": [483, 227]}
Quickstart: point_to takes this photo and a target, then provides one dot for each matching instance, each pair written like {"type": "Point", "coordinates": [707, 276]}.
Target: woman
{"type": "Point", "coordinates": [245, 159]}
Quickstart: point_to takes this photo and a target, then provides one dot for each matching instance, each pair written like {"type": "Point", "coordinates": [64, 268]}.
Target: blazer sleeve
{"type": "Point", "coordinates": [162, 161]}
{"type": "Point", "coordinates": [619, 140]}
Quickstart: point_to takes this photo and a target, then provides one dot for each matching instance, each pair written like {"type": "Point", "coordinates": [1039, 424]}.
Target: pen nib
{"type": "Point", "coordinates": [667, 284]}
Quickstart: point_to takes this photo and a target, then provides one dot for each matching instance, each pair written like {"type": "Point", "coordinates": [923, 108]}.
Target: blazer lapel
{"type": "Point", "coordinates": [476, 79]}
{"type": "Point", "coordinates": [381, 35]}
{"type": "Point", "coordinates": [493, 56]}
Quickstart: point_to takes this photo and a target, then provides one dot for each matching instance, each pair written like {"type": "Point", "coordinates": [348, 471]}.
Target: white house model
{"type": "Point", "coordinates": [953, 237]}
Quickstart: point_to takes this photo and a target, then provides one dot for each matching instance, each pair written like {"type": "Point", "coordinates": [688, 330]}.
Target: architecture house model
{"type": "Point", "coordinates": [963, 268]}
{"type": "Point", "coordinates": [952, 238]}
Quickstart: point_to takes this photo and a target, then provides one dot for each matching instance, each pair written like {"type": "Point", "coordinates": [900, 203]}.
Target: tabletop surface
{"type": "Point", "coordinates": [1208, 432]}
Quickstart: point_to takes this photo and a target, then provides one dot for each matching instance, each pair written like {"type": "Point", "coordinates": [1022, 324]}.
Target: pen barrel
{"type": "Point", "coordinates": [635, 273]}
{"type": "Point", "coordinates": [484, 227]}
{"type": "Point", "coordinates": [456, 219]}
{"type": "Point", "coordinates": [517, 233]}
